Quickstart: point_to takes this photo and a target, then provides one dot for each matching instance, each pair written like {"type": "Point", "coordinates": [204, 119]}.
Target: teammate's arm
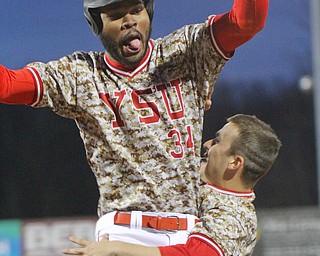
{"type": "Point", "coordinates": [193, 247]}
{"type": "Point", "coordinates": [17, 86]}
{"type": "Point", "coordinates": [110, 248]}
{"type": "Point", "coordinates": [240, 24]}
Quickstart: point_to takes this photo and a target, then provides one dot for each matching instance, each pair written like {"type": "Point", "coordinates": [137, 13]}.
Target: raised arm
{"type": "Point", "coordinates": [240, 24]}
{"type": "Point", "coordinates": [17, 86]}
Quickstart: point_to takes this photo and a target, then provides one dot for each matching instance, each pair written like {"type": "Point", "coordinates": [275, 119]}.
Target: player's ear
{"type": "Point", "coordinates": [235, 162]}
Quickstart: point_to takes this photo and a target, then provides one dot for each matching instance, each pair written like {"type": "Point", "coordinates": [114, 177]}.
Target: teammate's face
{"type": "Point", "coordinates": [126, 31]}
{"type": "Point", "coordinates": [217, 152]}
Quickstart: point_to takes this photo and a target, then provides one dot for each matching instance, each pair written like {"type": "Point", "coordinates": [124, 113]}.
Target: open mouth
{"type": "Point", "coordinates": [203, 159]}
{"type": "Point", "coordinates": [132, 44]}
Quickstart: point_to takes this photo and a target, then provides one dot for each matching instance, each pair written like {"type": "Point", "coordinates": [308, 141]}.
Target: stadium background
{"type": "Point", "coordinates": [46, 186]}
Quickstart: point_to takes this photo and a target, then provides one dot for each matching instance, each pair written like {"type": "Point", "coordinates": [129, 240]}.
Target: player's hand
{"type": "Point", "coordinates": [89, 248]}
{"type": "Point", "coordinates": [207, 105]}
{"type": "Point", "coordinates": [208, 102]}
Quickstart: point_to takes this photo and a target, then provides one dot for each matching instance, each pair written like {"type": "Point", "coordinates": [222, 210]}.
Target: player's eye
{"type": "Point", "coordinates": [116, 15]}
{"type": "Point", "coordinates": [138, 9]}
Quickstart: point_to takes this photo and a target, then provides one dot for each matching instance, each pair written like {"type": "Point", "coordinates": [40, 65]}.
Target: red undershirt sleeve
{"type": "Point", "coordinates": [193, 247]}
{"type": "Point", "coordinates": [240, 24]}
{"type": "Point", "coordinates": [20, 86]}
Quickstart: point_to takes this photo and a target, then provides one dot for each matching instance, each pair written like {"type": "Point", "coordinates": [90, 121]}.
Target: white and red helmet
{"type": "Point", "coordinates": [94, 18]}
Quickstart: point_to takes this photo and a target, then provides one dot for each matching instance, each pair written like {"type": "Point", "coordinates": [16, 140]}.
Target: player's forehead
{"type": "Point", "coordinates": [228, 131]}
{"type": "Point", "coordinates": [121, 4]}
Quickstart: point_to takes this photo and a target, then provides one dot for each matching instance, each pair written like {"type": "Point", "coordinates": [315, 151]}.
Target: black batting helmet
{"type": "Point", "coordinates": [94, 18]}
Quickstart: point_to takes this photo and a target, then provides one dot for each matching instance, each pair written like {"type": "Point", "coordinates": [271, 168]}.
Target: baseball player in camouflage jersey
{"type": "Point", "coordinates": [139, 108]}
{"type": "Point", "coordinates": [240, 155]}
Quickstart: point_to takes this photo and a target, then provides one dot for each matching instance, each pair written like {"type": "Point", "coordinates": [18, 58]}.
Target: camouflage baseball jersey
{"type": "Point", "coordinates": [228, 221]}
{"type": "Point", "coordinates": [141, 129]}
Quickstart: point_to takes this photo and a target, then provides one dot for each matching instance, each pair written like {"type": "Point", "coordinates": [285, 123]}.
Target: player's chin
{"type": "Point", "coordinates": [133, 59]}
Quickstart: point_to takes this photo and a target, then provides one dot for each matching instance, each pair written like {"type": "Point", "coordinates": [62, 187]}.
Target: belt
{"type": "Point", "coordinates": [173, 222]}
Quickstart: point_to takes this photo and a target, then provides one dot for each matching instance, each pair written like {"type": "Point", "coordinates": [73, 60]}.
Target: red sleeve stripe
{"type": "Point", "coordinates": [39, 86]}
{"type": "Point", "coordinates": [213, 41]}
{"type": "Point", "coordinates": [208, 241]}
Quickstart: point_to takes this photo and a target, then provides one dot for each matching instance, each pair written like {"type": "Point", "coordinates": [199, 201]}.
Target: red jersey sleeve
{"type": "Point", "coordinates": [22, 86]}
{"type": "Point", "coordinates": [197, 245]}
{"type": "Point", "coordinates": [240, 24]}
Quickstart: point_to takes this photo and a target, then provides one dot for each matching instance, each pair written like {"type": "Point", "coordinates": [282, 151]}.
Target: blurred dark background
{"type": "Point", "coordinates": [44, 171]}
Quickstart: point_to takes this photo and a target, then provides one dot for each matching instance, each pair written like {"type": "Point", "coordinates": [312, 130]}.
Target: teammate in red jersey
{"type": "Point", "coordinates": [139, 107]}
{"type": "Point", "coordinates": [241, 154]}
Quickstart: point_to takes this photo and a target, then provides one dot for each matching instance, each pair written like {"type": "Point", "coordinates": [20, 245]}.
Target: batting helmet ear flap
{"type": "Point", "coordinates": [150, 8]}
{"type": "Point", "coordinates": [94, 19]}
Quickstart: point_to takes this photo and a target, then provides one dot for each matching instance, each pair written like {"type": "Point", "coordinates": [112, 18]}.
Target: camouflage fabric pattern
{"type": "Point", "coordinates": [142, 130]}
{"type": "Point", "coordinates": [229, 219]}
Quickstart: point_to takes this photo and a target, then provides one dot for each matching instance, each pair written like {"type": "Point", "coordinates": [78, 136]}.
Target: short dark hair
{"type": "Point", "coordinates": [257, 143]}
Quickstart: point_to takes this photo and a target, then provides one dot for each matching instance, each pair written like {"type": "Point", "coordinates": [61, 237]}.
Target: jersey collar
{"type": "Point", "coordinates": [221, 190]}
{"type": "Point", "coordinates": [119, 69]}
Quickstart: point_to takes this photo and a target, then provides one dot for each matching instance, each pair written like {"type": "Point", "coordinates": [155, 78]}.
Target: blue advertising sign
{"type": "Point", "coordinates": [10, 238]}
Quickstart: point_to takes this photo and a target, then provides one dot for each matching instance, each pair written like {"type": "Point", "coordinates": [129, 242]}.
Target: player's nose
{"type": "Point", "coordinates": [207, 144]}
{"type": "Point", "coordinates": [129, 21]}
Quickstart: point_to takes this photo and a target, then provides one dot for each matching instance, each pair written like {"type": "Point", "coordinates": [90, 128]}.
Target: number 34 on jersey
{"type": "Point", "coordinates": [154, 114]}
